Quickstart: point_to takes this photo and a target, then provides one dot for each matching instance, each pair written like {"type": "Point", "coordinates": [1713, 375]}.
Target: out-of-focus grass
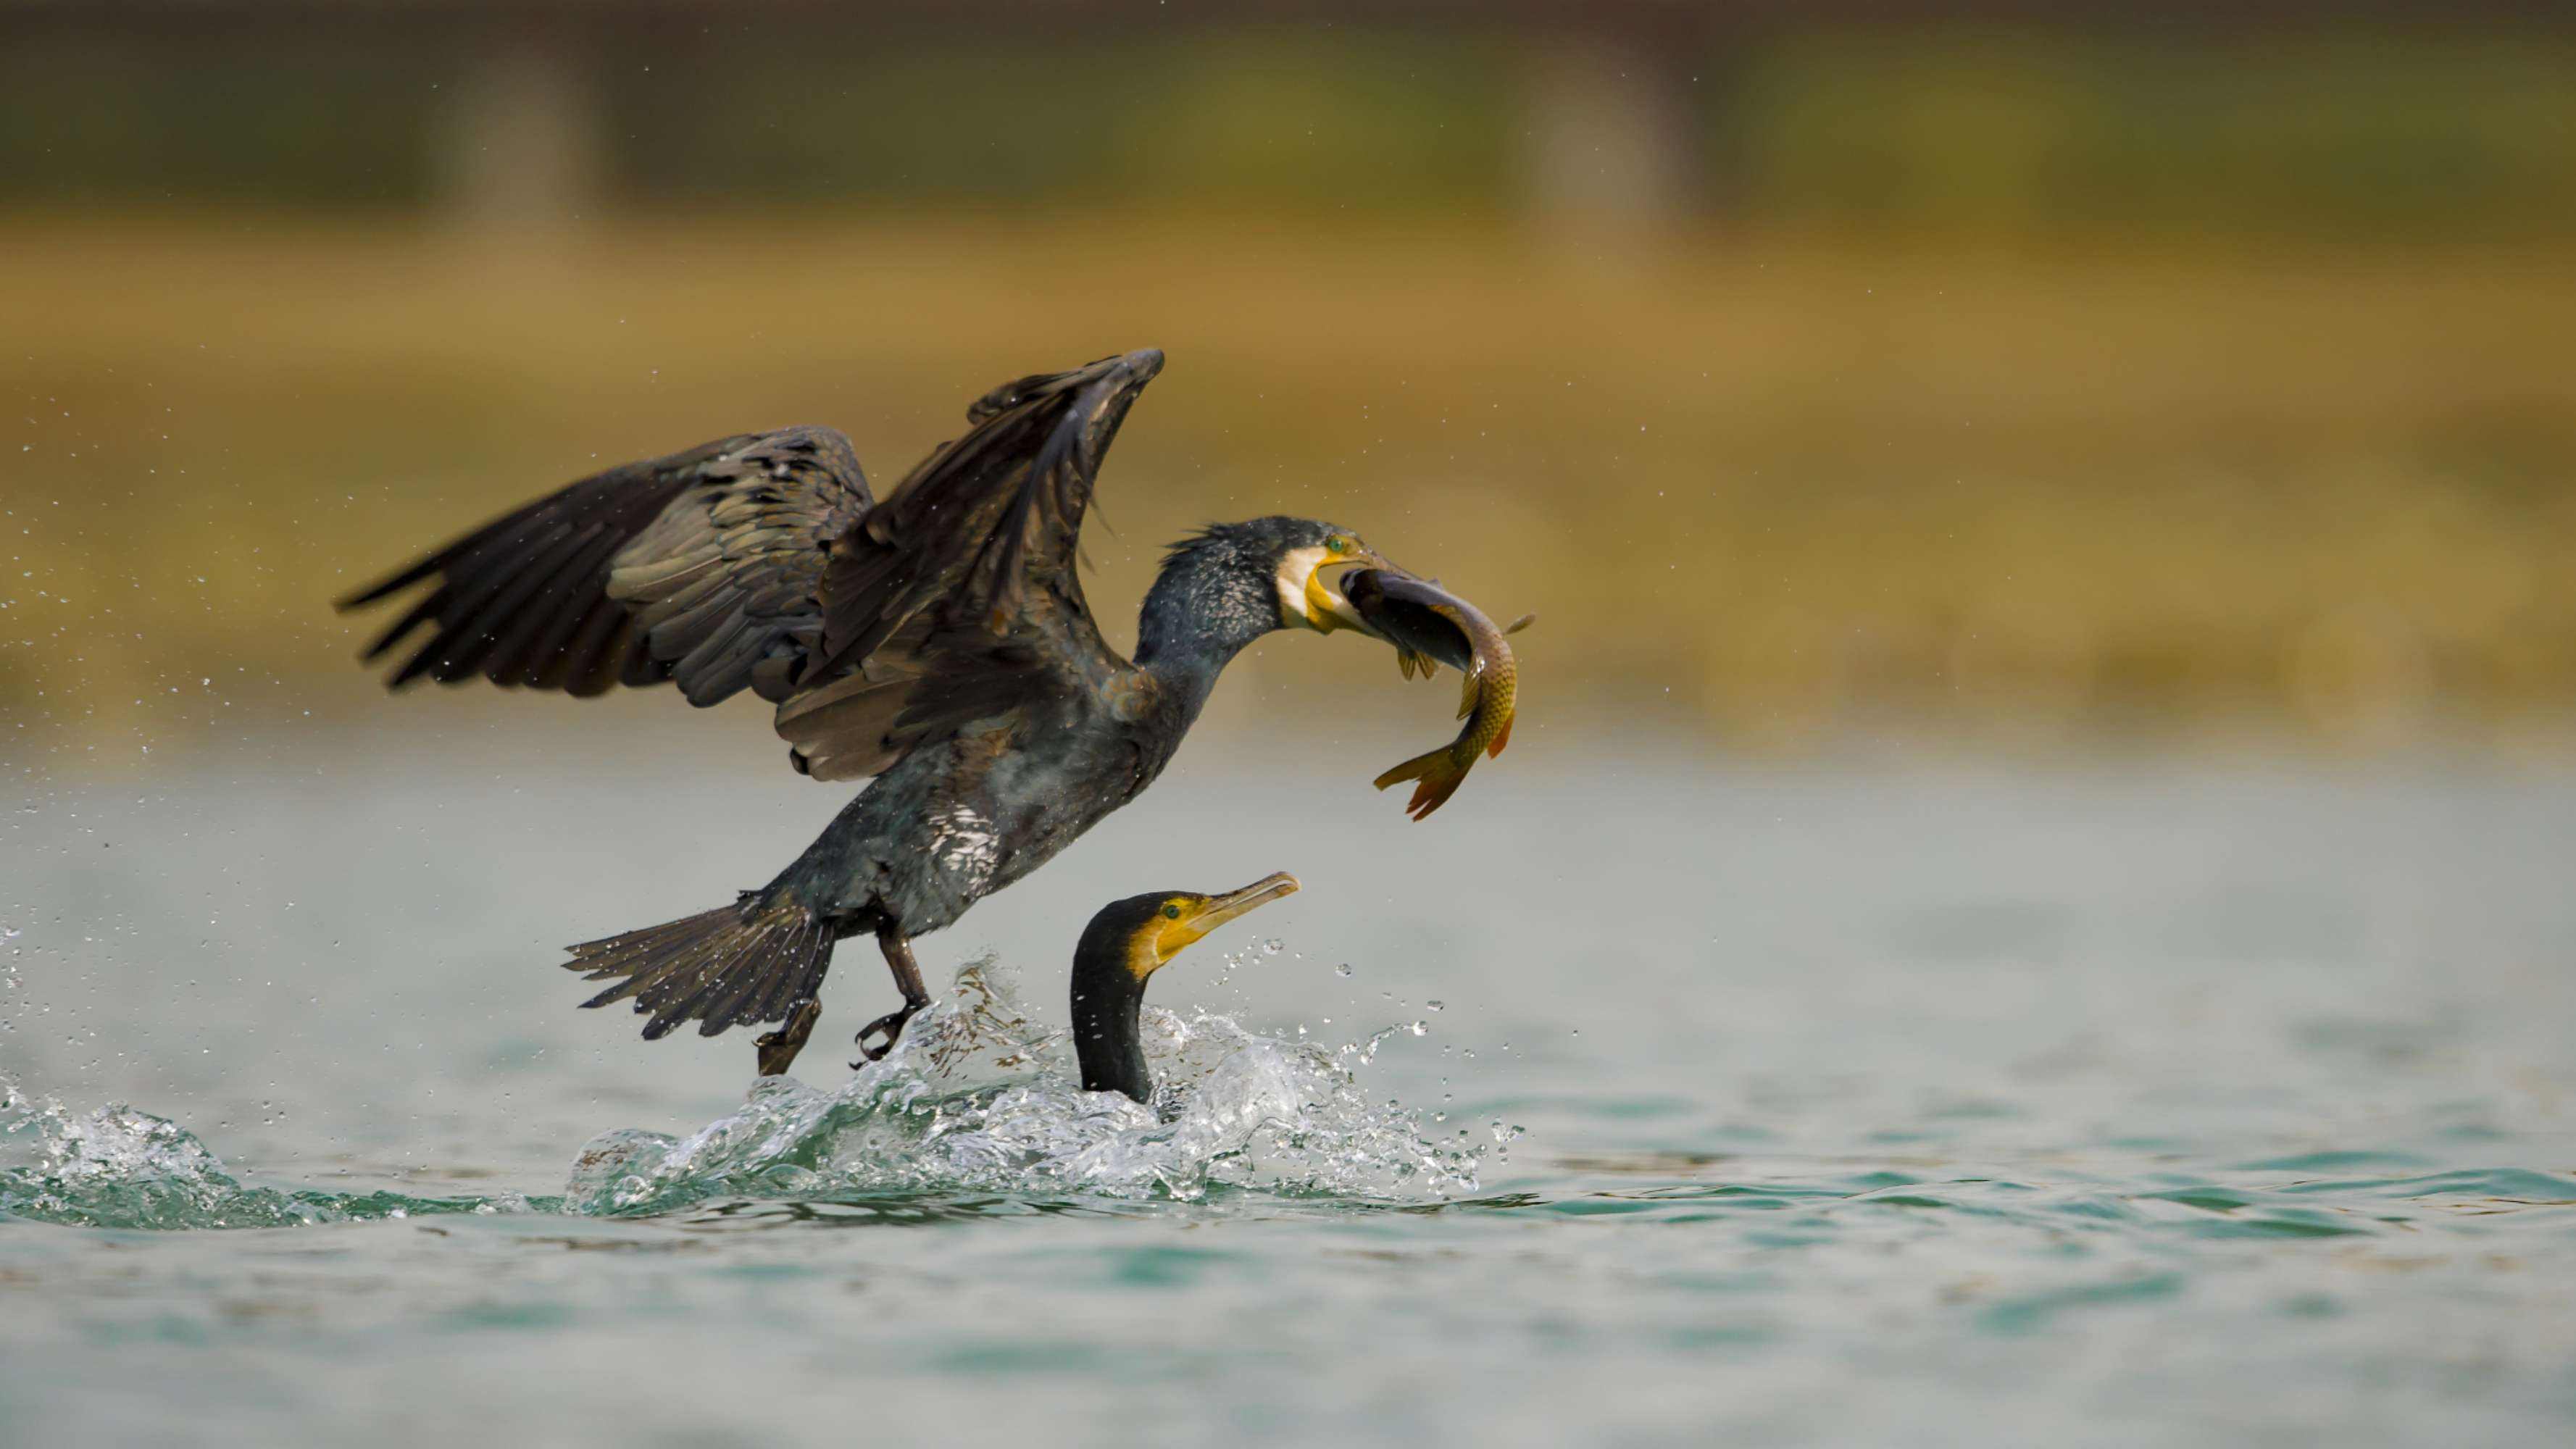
{"type": "Point", "coordinates": [2068, 126]}
{"type": "Point", "coordinates": [1779, 486]}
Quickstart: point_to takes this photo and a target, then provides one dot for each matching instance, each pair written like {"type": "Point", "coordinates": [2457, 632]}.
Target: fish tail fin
{"type": "Point", "coordinates": [751, 961]}
{"type": "Point", "coordinates": [1435, 778]}
{"type": "Point", "coordinates": [1502, 737]}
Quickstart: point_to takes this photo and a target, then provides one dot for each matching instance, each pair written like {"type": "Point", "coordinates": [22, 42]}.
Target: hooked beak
{"type": "Point", "coordinates": [1326, 609]}
{"type": "Point", "coordinates": [1220, 909]}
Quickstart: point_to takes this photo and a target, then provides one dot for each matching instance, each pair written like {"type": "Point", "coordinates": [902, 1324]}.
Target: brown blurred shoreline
{"type": "Point", "coordinates": [1781, 485]}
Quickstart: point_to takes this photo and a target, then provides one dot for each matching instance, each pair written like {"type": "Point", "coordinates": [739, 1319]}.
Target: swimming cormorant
{"type": "Point", "coordinates": [937, 640]}
{"type": "Point", "coordinates": [1125, 945]}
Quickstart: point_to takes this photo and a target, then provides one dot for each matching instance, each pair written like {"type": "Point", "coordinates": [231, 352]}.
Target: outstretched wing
{"type": "Point", "coordinates": [959, 599]}
{"type": "Point", "coordinates": [763, 562]}
{"type": "Point", "coordinates": [705, 568]}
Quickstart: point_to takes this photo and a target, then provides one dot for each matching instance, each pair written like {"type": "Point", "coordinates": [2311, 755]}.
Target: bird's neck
{"type": "Point", "coordinates": [1204, 608]}
{"type": "Point", "coordinates": [1107, 996]}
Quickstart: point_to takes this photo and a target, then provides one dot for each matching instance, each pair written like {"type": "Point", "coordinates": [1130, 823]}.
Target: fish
{"type": "Point", "coordinates": [1429, 626]}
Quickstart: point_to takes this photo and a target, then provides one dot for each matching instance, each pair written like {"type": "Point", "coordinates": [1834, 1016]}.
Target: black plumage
{"type": "Point", "coordinates": [1125, 944]}
{"type": "Point", "coordinates": [937, 640]}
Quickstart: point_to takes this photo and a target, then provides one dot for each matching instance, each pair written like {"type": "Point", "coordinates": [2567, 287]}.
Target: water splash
{"type": "Point", "coordinates": [978, 1097]}
{"type": "Point", "coordinates": [119, 1168]}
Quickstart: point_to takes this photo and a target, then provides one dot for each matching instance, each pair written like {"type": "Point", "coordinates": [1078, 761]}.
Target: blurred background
{"type": "Point", "coordinates": [2047, 741]}
{"type": "Point", "coordinates": [2039, 377]}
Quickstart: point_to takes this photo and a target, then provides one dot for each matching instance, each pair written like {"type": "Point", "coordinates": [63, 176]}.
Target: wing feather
{"type": "Point", "coordinates": [718, 553]}
{"type": "Point", "coordinates": [547, 622]}
{"type": "Point", "coordinates": [763, 562]}
{"type": "Point", "coordinates": [959, 599]}
{"type": "Point", "coordinates": [983, 518]}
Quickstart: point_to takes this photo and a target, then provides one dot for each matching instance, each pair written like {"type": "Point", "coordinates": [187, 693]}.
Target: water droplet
{"type": "Point", "coordinates": [1342, 970]}
{"type": "Point", "coordinates": [1437, 1005]}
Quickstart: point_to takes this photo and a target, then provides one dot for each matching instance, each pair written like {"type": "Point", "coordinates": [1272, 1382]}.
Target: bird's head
{"type": "Point", "coordinates": [1125, 944]}
{"type": "Point", "coordinates": [1306, 557]}
{"type": "Point", "coordinates": [1238, 581]}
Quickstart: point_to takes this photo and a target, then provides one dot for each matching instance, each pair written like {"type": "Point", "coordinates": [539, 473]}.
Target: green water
{"type": "Point", "coordinates": [1870, 1103]}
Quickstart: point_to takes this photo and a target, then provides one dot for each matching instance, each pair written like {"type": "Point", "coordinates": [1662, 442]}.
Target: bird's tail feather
{"type": "Point", "coordinates": [747, 962]}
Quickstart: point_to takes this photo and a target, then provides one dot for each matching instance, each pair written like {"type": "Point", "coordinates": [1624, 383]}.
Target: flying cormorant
{"type": "Point", "coordinates": [937, 640]}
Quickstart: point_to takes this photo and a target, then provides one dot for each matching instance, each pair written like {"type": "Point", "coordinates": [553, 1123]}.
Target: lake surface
{"type": "Point", "coordinates": [1868, 1101]}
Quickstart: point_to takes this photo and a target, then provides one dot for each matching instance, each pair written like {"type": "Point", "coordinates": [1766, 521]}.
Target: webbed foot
{"type": "Point", "coordinates": [778, 1048]}
{"type": "Point", "coordinates": [907, 979]}
{"type": "Point", "coordinates": [891, 1024]}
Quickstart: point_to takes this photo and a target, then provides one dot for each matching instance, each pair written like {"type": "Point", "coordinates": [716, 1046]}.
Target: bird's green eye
{"type": "Point", "coordinates": [1339, 544]}
{"type": "Point", "coordinates": [1172, 912]}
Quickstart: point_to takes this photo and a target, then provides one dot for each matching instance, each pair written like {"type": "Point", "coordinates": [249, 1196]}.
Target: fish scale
{"type": "Point", "coordinates": [1429, 625]}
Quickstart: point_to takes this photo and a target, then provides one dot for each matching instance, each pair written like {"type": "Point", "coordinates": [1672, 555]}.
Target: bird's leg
{"type": "Point", "coordinates": [778, 1048]}
{"type": "Point", "coordinates": [907, 979]}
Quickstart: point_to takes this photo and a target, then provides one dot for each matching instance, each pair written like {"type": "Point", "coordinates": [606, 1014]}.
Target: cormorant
{"type": "Point", "coordinates": [1125, 945]}
{"type": "Point", "coordinates": [937, 640]}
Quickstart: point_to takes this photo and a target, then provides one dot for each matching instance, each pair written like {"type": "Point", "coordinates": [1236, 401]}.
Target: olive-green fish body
{"type": "Point", "coordinates": [1488, 699]}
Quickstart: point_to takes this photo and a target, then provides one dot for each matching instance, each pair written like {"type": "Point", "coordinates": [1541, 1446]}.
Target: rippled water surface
{"type": "Point", "coordinates": [1657, 1103]}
